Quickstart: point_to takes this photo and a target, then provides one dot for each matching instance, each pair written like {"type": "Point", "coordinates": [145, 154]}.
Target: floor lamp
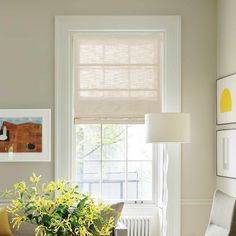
{"type": "Point", "coordinates": [167, 128]}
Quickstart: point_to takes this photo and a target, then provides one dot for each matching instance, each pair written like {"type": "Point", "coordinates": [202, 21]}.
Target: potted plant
{"type": "Point", "coordinates": [57, 208]}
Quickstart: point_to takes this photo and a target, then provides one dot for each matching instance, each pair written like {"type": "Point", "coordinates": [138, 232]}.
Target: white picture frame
{"type": "Point", "coordinates": [25, 135]}
{"type": "Point", "coordinates": [226, 95]}
{"type": "Point", "coordinates": [226, 149]}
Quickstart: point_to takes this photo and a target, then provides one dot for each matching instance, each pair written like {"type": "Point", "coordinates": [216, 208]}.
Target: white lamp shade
{"type": "Point", "coordinates": [167, 128]}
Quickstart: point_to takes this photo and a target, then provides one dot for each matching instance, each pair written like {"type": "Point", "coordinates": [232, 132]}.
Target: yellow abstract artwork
{"type": "Point", "coordinates": [226, 101]}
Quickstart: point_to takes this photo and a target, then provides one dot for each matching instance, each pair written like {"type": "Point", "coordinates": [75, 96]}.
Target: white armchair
{"type": "Point", "coordinates": [223, 216]}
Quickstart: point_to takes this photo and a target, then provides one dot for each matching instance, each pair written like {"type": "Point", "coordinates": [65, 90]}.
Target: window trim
{"type": "Point", "coordinates": [171, 91]}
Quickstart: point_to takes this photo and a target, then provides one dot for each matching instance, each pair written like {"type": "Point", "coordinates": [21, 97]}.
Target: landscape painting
{"type": "Point", "coordinates": [25, 135]}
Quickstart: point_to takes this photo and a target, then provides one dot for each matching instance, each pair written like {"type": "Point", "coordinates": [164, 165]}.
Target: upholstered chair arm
{"type": "Point", "coordinates": [121, 230]}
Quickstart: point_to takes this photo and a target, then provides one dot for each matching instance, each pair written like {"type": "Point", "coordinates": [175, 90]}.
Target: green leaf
{"type": "Point", "coordinates": [32, 208]}
{"type": "Point", "coordinates": [46, 220]}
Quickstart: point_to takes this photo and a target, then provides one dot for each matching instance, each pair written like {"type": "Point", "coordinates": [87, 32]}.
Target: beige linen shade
{"type": "Point", "coordinates": [117, 76]}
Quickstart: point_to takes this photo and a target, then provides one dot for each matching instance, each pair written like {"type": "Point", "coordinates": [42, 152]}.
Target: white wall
{"type": "Point", "coordinates": [226, 62]}
{"type": "Point", "coordinates": [27, 81]}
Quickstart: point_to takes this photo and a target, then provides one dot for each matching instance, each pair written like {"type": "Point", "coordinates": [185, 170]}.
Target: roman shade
{"type": "Point", "coordinates": [117, 75]}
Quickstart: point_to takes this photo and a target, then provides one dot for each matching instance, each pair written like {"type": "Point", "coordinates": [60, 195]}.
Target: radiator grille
{"type": "Point", "coordinates": [137, 225]}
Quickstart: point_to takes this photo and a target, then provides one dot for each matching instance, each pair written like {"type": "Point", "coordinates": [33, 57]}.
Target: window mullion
{"type": "Point", "coordinates": [101, 162]}
{"type": "Point", "coordinates": [126, 161]}
{"type": "Point", "coordinates": [103, 68]}
{"type": "Point", "coordinates": [126, 134]}
{"type": "Point", "coordinates": [129, 72]}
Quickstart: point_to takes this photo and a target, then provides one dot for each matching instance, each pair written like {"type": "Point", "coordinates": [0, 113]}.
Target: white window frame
{"type": "Point", "coordinates": [171, 89]}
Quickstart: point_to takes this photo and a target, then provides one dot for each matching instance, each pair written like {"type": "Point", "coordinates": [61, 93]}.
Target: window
{"type": "Point", "coordinates": [113, 162]}
{"type": "Point", "coordinates": [66, 116]}
{"type": "Point", "coordinates": [117, 80]}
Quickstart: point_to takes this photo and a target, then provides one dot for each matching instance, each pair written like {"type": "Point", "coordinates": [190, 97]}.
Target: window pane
{"type": "Point", "coordinates": [143, 77]}
{"type": "Point", "coordinates": [116, 78]}
{"type": "Point", "coordinates": [90, 52]}
{"type": "Point", "coordinates": [106, 77]}
{"type": "Point", "coordinates": [123, 159]}
{"type": "Point", "coordinates": [137, 148]}
{"type": "Point", "coordinates": [88, 177]}
{"type": "Point", "coordinates": [88, 142]}
{"type": "Point", "coordinates": [90, 78]}
{"type": "Point", "coordinates": [114, 177]}
{"type": "Point", "coordinates": [141, 52]}
{"type": "Point", "coordinates": [114, 144]}
{"type": "Point", "coordinates": [116, 52]}
{"type": "Point", "coordinates": [139, 180]}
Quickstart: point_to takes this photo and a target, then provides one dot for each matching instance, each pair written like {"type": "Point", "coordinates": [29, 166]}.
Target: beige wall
{"type": "Point", "coordinates": [226, 36]}
{"type": "Point", "coordinates": [226, 62]}
{"type": "Point", "coordinates": [27, 80]}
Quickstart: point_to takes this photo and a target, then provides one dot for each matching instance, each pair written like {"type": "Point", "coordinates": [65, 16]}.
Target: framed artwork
{"type": "Point", "coordinates": [226, 149]}
{"type": "Point", "coordinates": [226, 100]}
{"type": "Point", "coordinates": [25, 135]}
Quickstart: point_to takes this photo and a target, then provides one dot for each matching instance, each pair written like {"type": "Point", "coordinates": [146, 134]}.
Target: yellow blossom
{"type": "Point", "coordinates": [17, 221]}
{"type": "Point", "coordinates": [35, 179]}
{"type": "Point", "coordinates": [58, 208]}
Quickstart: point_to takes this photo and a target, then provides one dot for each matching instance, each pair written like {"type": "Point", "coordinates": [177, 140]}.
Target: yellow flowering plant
{"type": "Point", "coordinates": [57, 208]}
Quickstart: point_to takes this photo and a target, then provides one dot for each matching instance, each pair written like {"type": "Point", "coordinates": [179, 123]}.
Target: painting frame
{"type": "Point", "coordinates": [25, 125]}
{"type": "Point", "coordinates": [225, 158]}
{"type": "Point", "coordinates": [225, 95]}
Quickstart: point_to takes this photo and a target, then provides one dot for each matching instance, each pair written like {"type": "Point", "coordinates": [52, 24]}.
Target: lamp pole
{"type": "Point", "coordinates": [166, 128]}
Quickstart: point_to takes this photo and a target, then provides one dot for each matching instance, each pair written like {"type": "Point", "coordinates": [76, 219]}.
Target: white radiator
{"type": "Point", "coordinates": [137, 225]}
